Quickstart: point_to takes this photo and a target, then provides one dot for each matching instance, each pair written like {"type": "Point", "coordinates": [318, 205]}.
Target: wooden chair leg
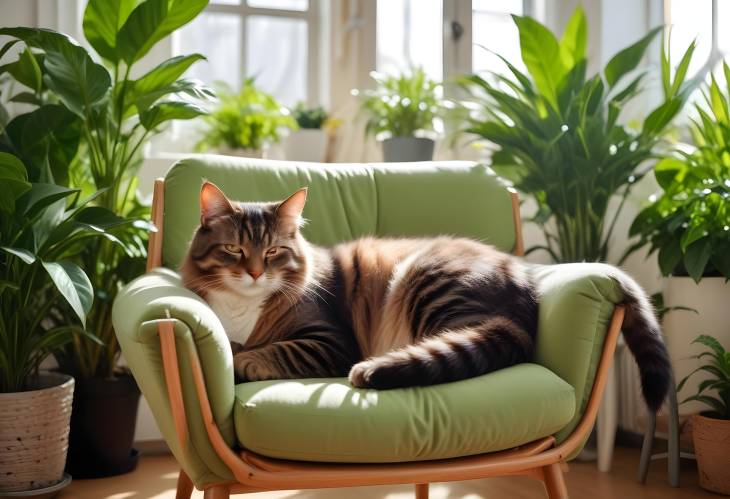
{"type": "Point", "coordinates": [184, 486]}
{"type": "Point", "coordinates": [421, 491]}
{"type": "Point", "coordinates": [217, 492]}
{"type": "Point", "coordinates": [554, 482]}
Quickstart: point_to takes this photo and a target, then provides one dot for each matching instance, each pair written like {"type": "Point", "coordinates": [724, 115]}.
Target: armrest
{"type": "Point", "coordinates": [156, 296]}
{"type": "Point", "coordinates": [577, 301]}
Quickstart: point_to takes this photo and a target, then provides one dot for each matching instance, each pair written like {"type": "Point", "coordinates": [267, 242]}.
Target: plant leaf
{"type": "Point", "coordinates": [164, 74]}
{"type": "Point", "coordinates": [13, 181]}
{"type": "Point", "coordinates": [74, 286]}
{"type": "Point", "coordinates": [574, 40]}
{"type": "Point", "coordinates": [712, 343]}
{"type": "Point", "coordinates": [41, 195]}
{"type": "Point", "coordinates": [628, 59]}
{"type": "Point", "coordinates": [21, 253]}
{"type": "Point", "coordinates": [151, 21]}
{"type": "Point", "coordinates": [102, 21]}
{"type": "Point", "coordinates": [696, 258]}
{"type": "Point", "coordinates": [169, 110]}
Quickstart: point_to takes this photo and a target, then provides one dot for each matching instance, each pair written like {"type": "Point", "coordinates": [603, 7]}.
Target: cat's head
{"type": "Point", "coordinates": [251, 249]}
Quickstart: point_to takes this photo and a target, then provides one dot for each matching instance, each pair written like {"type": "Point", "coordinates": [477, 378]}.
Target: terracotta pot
{"type": "Point", "coordinates": [711, 438]}
{"type": "Point", "coordinates": [34, 434]}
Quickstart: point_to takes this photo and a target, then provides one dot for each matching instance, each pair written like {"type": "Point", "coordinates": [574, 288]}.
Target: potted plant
{"type": "Point", "coordinates": [97, 118]}
{"type": "Point", "coordinates": [402, 112]}
{"type": "Point", "coordinates": [40, 234]}
{"type": "Point", "coordinates": [687, 224]}
{"type": "Point", "coordinates": [557, 133]}
{"type": "Point", "coordinates": [309, 142]}
{"type": "Point", "coordinates": [711, 428]}
{"type": "Point", "coordinates": [245, 123]}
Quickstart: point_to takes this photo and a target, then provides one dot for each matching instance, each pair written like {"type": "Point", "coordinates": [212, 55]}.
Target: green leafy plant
{"type": "Point", "coordinates": [248, 119]}
{"type": "Point", "coordinates": [718, 366]}
{"type": "Point", "coordinates": [557, 133]}
{"type": "Point", "coordinates": [89, 123]}
{"type": "Point", "coordinates": [688, 223]}
{"type": "Point", "coordinates": [401, 106]}
{"type": "Point", "coordinates": [40, 236]}
{"type": "Point", "coordinates": [309, 117]}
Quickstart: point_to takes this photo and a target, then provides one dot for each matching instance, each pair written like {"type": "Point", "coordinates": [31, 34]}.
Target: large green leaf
{"type": "Point", "coordinates": [164, 74]}
{"type": "Point", "coordinates": [25, 70]}
{"type": "Point", "coordinates": [574, 41]}
{"type": "Point", "coordinates": [70, 72]}
{"type": "Point", "coordinates": [25, 255]}
{"type": "Point", "coordinates": [628, 59]}
{"type": "Point", "coordinates": [73, 284]}
{"type": "Point", "coordinates": [660, 117]}
{"type": "Point", "coordinates": [13, 181]}
{"type": "Point", "coordinates": [151, 21]}
{"type": "Point", "coordinates": [696, 257]}
{"type": "Point", "coordinates": [102, 21]}
{"type": "Point", "coordinates": [541, 55]}
{"type": "Point", "coordinates": [194, 89]}
{"type": "Point", "coordinates": [41, 195]}
{"type": "Point", "coordinates": [170, 110]}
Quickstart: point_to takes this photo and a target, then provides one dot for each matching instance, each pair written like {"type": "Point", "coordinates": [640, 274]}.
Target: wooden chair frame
{"type": "Point", "coordinates": [541, 459]}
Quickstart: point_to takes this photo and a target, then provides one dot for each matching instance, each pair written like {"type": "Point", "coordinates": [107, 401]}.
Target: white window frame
{"type": "Point", "coordinates": [716, 55]}
{"type": "Point", "coordinates": [316, 92]}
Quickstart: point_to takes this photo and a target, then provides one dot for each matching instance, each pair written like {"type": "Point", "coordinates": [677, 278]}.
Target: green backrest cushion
{"type": "Point", "coordinates": [347, 201]}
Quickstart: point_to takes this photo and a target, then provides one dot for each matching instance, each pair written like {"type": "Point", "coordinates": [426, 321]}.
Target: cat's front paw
{"type": "Point", "coordinates": [361, 374]}
{"type": "Point", "coordinates": [248, 368]}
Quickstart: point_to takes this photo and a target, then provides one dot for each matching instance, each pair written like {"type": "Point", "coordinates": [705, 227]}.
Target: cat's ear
{"type": "Point", "coordinates": [213, 203]}
{"type": "Point", "coordinates": [293, 206]}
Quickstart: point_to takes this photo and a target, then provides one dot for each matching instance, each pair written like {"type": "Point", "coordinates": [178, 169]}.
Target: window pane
{"type": "Point", "coordinates": [219, 37]}
{"type": "Point", "coordinates": [409, 34]}
{"type": "Point", "coordinates": [723, 20]}
{"type": "Point", "coordinates": [276, 54]}
{"type": "Point", "coordinates": [226, 2]}
{"type": "Point", "coordinates": [691, 19]}
{"type": "Point", "coordinates": [280, 4]}
{"type": "Point", "coordinates": [493, 29]}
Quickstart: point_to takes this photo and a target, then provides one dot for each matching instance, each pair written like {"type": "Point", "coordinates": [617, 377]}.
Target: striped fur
{"type": "Point", "coordinates": [387, 312]}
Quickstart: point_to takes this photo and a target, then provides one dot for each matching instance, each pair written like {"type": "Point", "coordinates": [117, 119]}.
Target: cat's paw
{"type": "Point", "coordinates": [361, 374]}
{"type": "Point", "coordinates": [248, 368]}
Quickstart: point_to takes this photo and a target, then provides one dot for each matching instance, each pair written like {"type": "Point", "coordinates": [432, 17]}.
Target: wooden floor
{"type": "Point", "coordinates": [156, 475]}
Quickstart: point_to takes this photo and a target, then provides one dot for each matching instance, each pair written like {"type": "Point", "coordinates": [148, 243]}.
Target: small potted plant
{"type": "Point", "coordinates": [711, 428]}
{"type": "Point", "coordinates": [245, 123]}
{"type": "Point", "coordinates": [687, 224]}
{"type": "Point", "coordinates": [39, 239]}
{"type": "Point", "coordinates": [403, 111]}
{"type": "Point", "coordinates": [309, 142]}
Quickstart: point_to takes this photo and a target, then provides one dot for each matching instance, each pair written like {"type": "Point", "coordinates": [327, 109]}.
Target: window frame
{"type": "Point", "coordinates": [311, 16]}
{"type": "Point", "coordinates": [716, 55]}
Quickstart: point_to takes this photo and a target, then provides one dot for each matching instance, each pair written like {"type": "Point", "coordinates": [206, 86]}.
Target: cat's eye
{"type": "Point", "coordinates": [272, 252]}
{"type": "Point", "coordinates": [232, 248]}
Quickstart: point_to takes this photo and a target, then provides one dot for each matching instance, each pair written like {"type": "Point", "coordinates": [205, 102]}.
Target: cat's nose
{"type": "Point", "coordinates": [255, 273]}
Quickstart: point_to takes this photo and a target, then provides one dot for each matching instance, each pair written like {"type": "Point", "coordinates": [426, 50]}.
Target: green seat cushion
{"type": "Point", "coordinates": [327, 420]}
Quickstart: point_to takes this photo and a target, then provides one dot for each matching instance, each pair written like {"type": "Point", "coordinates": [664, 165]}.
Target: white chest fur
{"type": "Point", "coordinates": [237, 313]}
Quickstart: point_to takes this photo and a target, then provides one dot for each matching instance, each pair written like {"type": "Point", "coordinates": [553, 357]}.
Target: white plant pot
{"type": "Point", "coordinates": [306, 144]}
{"type": "Point", "coordinates": [242, 153]}
{"type": "Point", "coordinates": [711, 298]}
{"type": "Point", "coordinates": [406, 149]}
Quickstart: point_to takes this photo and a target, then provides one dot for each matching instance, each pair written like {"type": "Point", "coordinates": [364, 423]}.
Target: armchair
{"type": "Point", "coordinates": [291, 434]}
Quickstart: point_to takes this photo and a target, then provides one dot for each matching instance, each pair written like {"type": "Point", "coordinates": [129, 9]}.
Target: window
{"type": "Point", "coordinates": [471, 29]}
{"type": "Point", "coordinates": [701, 20]}
{"type": "Point", "coordinates": [274, 41]}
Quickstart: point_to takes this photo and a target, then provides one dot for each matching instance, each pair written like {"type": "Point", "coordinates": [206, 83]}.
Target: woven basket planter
{"type": "Point", "coordinates": [34, 433]}
{"type": "Point", "coordinates": [711, 438]}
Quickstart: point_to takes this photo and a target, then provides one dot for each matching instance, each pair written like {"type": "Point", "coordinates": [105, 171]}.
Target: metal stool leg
{"type": "Point", "coordinates": [673, 444]}
{"type": "Point", "coordinates": [647, 447]}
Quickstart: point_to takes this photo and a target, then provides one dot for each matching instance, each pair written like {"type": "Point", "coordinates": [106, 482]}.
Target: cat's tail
{"type": "Point", "coordinates": [492, 344]}
{"type": "Point", "coordinates": [644, 338]}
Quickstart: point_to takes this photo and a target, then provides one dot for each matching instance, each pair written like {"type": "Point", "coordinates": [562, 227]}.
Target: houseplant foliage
{"type": "Point", "coordinates": [248, 119]}
{"type": "Point", "coordinates": [711, 429]}
{"type": "Point", "coordinates": [402, 111]}
{"type": "Point", "coordinates": [558, 134]}
{"type": "Point", "coordinates": [308, 118]}
{"type": "Point", "coordinates": [43, 227]}
{"type": "Point", "coordinates": [96, 118]}
{"type": "Point", "coordinates": [688, 223]}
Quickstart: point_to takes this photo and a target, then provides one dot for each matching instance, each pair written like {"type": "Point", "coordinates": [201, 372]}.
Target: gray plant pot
{"type": "Point", "coordinates": [402, 149]}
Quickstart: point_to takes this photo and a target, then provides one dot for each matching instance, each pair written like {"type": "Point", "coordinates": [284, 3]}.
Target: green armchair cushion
{"type": "Point", "coordinates": [347, 201]}
{"type": "Point", "coordinates": [329, 421]}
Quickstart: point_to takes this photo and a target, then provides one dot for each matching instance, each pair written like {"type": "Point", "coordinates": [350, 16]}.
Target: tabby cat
{"type": "Point", "coordinates": [388, 312]}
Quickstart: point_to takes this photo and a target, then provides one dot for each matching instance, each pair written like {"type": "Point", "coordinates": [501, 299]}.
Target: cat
{"type": "Point", "coordinates": [387, 313]}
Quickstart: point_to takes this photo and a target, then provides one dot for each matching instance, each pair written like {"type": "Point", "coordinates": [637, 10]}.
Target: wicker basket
{"type": "Point", "coordinates": [712, 447]}
{"type": "Point", "coordinates": [34, 433]}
